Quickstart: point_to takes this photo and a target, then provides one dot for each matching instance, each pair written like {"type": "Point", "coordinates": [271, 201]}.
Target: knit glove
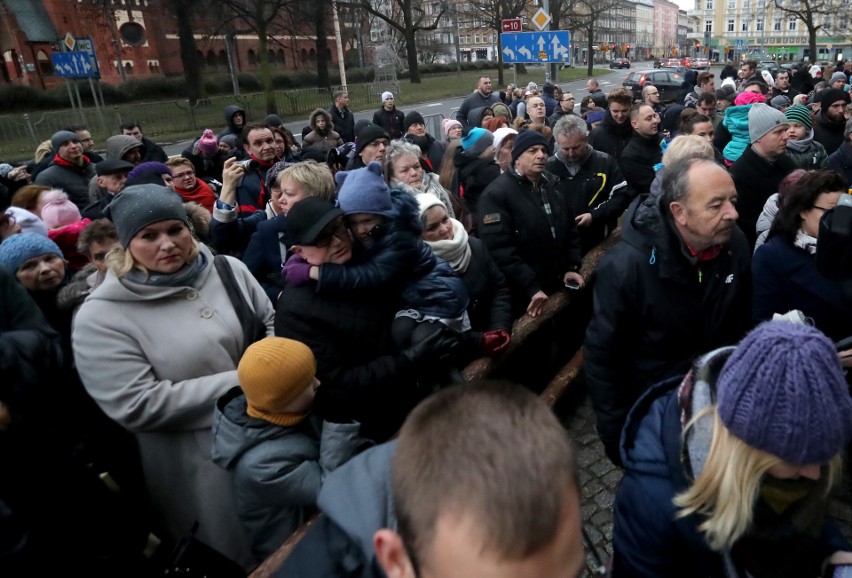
{"type": "Point", "coordinates": [495, 341]}
{"type": "Point", "coordinates": [296, 271]}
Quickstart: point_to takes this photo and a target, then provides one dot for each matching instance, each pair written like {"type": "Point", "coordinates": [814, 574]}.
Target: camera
{"type": "Point", "coordinates": [248, 165]}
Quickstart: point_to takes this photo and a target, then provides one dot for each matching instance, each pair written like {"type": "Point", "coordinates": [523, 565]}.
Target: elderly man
{"type": "Point", "coordinates": [703, 84]}
{"type": "Point", "coordinates": [432, 148]}
{"type": "Point", "coordinates": [643, 151]}
{"type": "Point", "coordinates": [615, 131]}
{"type": "Point", "coordinates": [70, 169]}
{"type": "Point", "coordinates": [537, 111]}
{"type": "Point", "coordinates": [370, 145]}
{"type": "Point", "coordinates": [529, 227]}
{"type": "Point", "coordinates": [651, 97]}
{"type": "Point", "coordinates": [830, 119]}
{"type": "Point", "coordinates": [590, 180]}
{"type": "Point", "coordinates": [111, 176]}
{"type": "Point", "coordinates": [762, 166]}
{"type": "Point", "coordinates": [675, 286]}
{"type": "Point", "coordinates": [479, 98]}
{"type": "Point", "coordinates": [418, 507]}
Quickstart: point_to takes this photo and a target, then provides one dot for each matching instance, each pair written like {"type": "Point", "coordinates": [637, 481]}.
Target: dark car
{"type": "Point", "coordinates": [619, 63]}
{"type": "Point", "coordinates": [769, 65]}
{"type": "Point", "coordinates": [668, 82]}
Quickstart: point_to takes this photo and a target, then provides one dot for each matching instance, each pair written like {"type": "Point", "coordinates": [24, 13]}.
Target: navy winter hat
{"type": "Point", "coordinates": [527, 139]}
{"type": "Point", "coordinates": [18, 249]}
{"type": "Point", "coordinates": [364, 190]}
{"type": "Point", "coordinates": [782, 391]}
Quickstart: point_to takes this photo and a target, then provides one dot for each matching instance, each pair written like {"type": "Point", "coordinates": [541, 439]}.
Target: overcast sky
{"type": "Point", "coordinates": [685, 4]}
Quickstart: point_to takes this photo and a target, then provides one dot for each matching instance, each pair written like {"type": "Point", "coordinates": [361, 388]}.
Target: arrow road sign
{"type": "Point", "coordinates": [72, 64]}
{"type": "Point", "coordinates": [551, 46]}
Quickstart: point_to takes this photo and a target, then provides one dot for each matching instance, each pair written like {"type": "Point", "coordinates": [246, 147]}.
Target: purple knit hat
{"type": "Point", "coordinates": [782, 391]}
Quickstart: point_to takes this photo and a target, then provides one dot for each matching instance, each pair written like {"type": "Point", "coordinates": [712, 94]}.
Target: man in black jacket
{"type": "Point", "coordinates": [762, 166]}
{"type": "Point", "coordinates": [614, 132]}
{"type": "Point", "coordinates": [677, 284]}
{"type": "Point", "coordinates": [830, 119]}
{"type": "Point", "coordinates": [529, 228]}
{"type": "Point", "coordinates": [643, 151]}
{"type": "Point", "coordinates": [389, 117]}
{"type": "Point", "coordinates": [151, 152]}
{"type": "Point", "coordinates": [342, 117]}
{"type": "Point", "coordinates": [590, 180]}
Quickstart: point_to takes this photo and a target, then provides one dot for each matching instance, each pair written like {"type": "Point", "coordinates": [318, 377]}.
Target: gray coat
{"type": "Point", "coordinates": [277, 471]}
{"type": "Point", "coordinates": [156, 359]}
{"type": "Point", "coordinates": [72, 180]}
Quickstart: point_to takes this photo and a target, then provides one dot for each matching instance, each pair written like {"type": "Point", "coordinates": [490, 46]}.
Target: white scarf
{"type": "Point", "coordinates": [455, 251]}
{"type": "Point", "coordinates": [805, 242]}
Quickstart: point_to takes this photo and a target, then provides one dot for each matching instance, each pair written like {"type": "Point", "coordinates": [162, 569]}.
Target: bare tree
{"type": "Point", "coordinates": [582, 15]}
{"type": "Point", "coordinates": [814, 14]}
{"type": "Point", "coordinates": [408, 17]}
{"type": "Point", "coordinates": [491, 13]}
{"type": "Point", "coordinates": [429, 48]}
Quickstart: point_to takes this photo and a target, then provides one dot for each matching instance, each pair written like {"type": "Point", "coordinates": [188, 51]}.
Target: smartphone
{"type": "Point", "coordinates": [571, 284]}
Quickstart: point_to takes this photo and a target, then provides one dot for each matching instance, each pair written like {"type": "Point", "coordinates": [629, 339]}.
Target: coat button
{"type": "Point", "coordinates": [192, 295]}
{"type": "Point", "coordinates": [207, 313]}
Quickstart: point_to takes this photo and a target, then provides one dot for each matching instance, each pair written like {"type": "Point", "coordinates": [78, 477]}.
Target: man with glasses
{"type": "Point", "coordinates": [370, 145]}
{"type": "Point", "coordinates": [566, 106]}
{"type": "Point", "coordinates": [87, 141]}
{"type": "Point", "coordinates": [651, 97]}
{"type": "Point", "coordinates": [188, 186]}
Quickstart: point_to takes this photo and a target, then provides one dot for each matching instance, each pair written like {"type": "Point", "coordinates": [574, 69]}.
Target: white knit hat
{"type": "Point", "coordinates": [386, 95]}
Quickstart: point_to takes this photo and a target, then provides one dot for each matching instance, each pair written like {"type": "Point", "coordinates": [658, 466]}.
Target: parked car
{"type": "Point", "coordinates": [619, 63]}
{"type": "Point", "coordinates": [769, 65]}
{"type": "Point", "coordinates": [668, 82]}
{"type": "Point", "coordinates": [670, 63]}
{"type": "Point", "coordinates": [701, 64]}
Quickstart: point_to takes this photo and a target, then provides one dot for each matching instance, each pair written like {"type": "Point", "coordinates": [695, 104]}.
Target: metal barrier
{"type": "Point", "coordinates": [164, 121]}
{"type": "Point", "coordinates": [485, 367]}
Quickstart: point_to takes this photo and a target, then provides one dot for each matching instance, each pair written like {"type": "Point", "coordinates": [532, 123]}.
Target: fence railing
{"type": "Point", "coordinates": [166, 120]}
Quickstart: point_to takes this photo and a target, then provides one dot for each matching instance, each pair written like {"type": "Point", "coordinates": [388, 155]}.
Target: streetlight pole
{"type": "Point", "coordinates": [339, 41]}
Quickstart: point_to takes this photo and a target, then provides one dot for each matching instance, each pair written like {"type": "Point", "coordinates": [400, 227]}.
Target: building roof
{"type": "Point", "coordinates": [33, 20]}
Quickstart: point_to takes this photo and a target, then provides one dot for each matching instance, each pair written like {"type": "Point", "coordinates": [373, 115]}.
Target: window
{"type": "Point", "coordinates": [744, 26]}
{"type": "Point", "coordinates": [791, 23]}
{"type": "Point", "coordinates": [776, 26]}
{"type": "Point", "coordinates": [731, 25]}
{"type": "Point", "coordinates": [709, 5]}
{"type": "Point", "coordinates": [476, 38]}
{"type": "Point", "coordinates": [732, 4]}
{"type": "Point", "coordinates": [708, 26]}
{"type": "Point", "coordinates": [45, 65]}
{"type": "Point", "coordinates": [758, 25]}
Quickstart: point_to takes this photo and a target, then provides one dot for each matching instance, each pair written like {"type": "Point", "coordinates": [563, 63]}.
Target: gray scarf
{"type": "Point", "coordinates": [182, 278]}
{"type": "Point", "coordinates": [801, 145]}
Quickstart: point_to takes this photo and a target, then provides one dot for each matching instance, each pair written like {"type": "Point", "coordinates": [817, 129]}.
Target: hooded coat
{"type": "Point", "coordinates": [156, 359]}
{"type": "Point", "coordinates": [736, 123]}
{"type": "Point", "coordinates": [277, 471]}
{"type": "Point", "coordinates": [230, 127]}
{"type": "Point", "coordinates": [657, 308]}
{"type": "Point", "coordinates": [324, 140]}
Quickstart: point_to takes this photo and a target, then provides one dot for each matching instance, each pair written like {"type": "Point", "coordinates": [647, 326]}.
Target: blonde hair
{"type": "Point", "coordinates": [687, 146]}
{"type": "Point", "coordinates": [179, 162]}
{"type": "Point", "coordinates": [314, 177]}
{"type": "Point", "coordinates": [726, 489]}
{"type": "Point", "coordinates": [121, 261]}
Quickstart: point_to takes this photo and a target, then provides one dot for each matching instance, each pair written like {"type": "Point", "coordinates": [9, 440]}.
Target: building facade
{"type": "Point", "coordinates": [666, 28]}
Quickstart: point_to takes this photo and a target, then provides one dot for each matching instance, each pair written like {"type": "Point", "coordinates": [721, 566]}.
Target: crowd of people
{"type": "Point", "coordinates": [222, 342]}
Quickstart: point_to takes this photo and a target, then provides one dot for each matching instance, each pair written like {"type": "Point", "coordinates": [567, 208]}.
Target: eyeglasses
{"type": "Point", "coordinates": [325, 239]}
{"type": "Point", "coordinates": [823, 209]}
{"type": "Point", "coordinates": [570, 98]}
{"type": "Point", "coordinates": [183, 175]}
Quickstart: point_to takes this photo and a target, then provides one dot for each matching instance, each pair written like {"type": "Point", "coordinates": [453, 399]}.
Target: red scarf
{"type": "Point", "coordinates": [706, 254]}
{"type": "Point", "coordinates": [201, 194]}
{"type": "Point", "coordinates": [63, 163]}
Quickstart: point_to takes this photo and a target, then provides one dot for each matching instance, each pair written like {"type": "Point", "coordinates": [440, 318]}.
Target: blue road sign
{"type": "Point", "coordinates": [73, 65]}
{"type": "Point", "coordinates": [739, 44]}
{"type": "Point", "coordinates": [85, 44]}
{"type": "Point", "coordinates": [548, 46]}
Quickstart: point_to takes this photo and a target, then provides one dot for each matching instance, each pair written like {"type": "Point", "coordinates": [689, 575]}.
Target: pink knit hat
{"type": "Point", "coordinates": [57, 210]}
{"type": "Point", "coordinates": [208, 143]}
{"type": "Point", "coordinates": [749, 98]}
{"type": "Point", "coordinates": [449, 123]}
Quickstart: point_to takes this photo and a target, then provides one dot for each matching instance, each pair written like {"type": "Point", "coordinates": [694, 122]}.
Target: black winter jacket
{"type": "Point", "coordinates": [638, 160]}
{"type": "Point", "coordinates": [344, 123]}
{"type": "Point", "coordinates": [841, 161]}
{"type": "Point", "coordinates": [756, 179]}
{"type": "Point", "coordinates": [598, 187]}
{"type": "Point", "coordinates": [533, 249]}
{"type": "Point", "coordinates": [610, 137]}
{"type": "Point", "coordinates": [490, 304]}
{"type": "Point", "coordinates": [390, 120]}
{"type": "Point", "coordinates": [474, 175]}
{"type": "Point", "coordinates": [655, 309]}
{"type": "Point", "coordinates": [828, 133]}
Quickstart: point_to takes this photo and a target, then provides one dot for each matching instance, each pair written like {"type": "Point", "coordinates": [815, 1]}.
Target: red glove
{"type": "Point", "coordinates": [495, 341]}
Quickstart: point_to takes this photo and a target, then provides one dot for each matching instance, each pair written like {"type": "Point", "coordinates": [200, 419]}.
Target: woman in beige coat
{"type": "Point", "coordinates": [156, 344]}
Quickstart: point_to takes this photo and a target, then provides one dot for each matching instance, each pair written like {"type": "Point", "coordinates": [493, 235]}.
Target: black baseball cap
{"type": "Point", "coordinates": [307, 219]}
{"type": "Point", "coordinates": [112, 166]}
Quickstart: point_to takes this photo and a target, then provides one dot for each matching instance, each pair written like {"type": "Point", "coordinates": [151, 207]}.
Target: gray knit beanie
{"type": "Point", "coordinates": [60, 138]}
{"type": "Point", "coordinates": [762, 118]}
{"type": "Point", "coordinates": [782, 391]}
{"type": "Point", "coordinates": [138, 206]}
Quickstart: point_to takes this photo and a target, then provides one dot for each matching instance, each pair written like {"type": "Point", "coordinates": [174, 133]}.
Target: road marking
{"type": "Point", "coordinates": [433, 104]}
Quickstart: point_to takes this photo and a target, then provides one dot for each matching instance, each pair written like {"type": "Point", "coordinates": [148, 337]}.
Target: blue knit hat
{"type": "Point", "coordinates": [782, 391]}
{"type": "Point", "coordinates": [476, 141]}
{"type": "Point", "coordinates": [364, 190]}
{"type": "Point", "coordinates": [18, 249]}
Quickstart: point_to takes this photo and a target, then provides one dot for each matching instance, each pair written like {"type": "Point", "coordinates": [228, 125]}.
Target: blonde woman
{"type": "Point", "coordinates": [155, 345]}
{"type": "Point", "coordinates": [727, 473]}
